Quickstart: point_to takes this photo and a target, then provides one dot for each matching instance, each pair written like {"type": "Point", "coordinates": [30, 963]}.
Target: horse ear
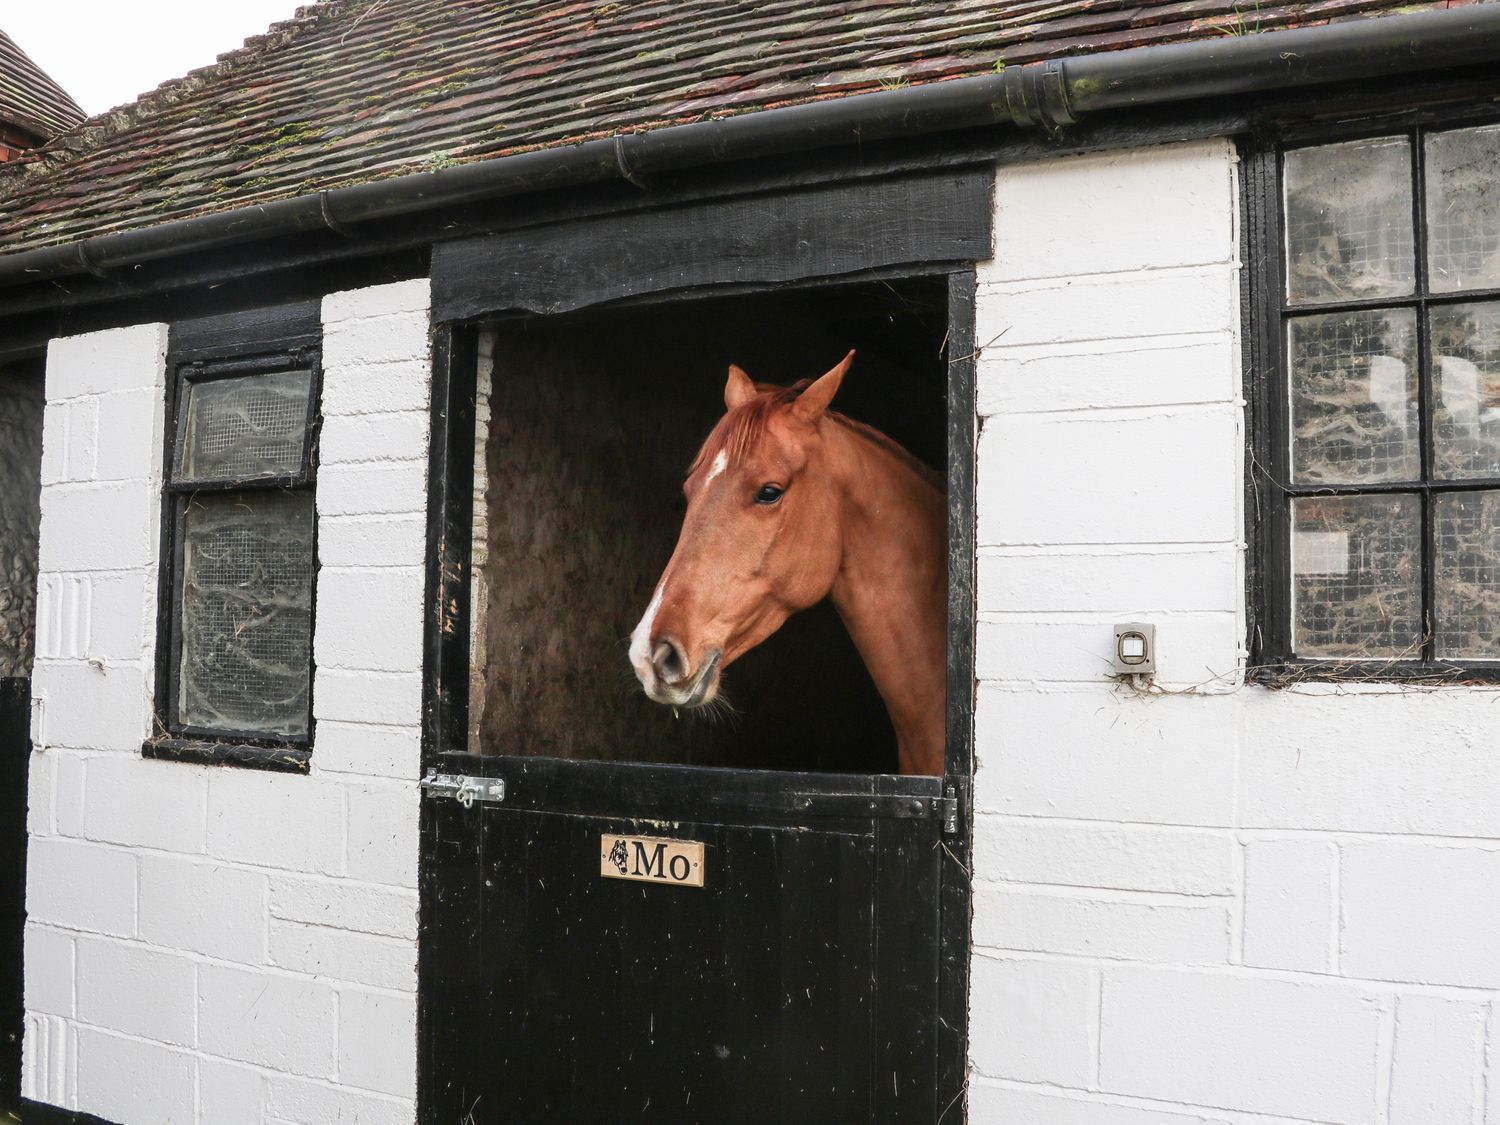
{"type": "Point", "coordinates": [739, 389]}
{"type": "Point", "coordinates": [812, 403]}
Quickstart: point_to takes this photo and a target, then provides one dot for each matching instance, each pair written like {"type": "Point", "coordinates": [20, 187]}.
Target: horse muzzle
{"type": "Point", "coordinates": [668, 678]}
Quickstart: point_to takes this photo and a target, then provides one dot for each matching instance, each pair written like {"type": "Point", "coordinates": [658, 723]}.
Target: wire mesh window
{"type": "Point", "coordinates": [243, 551]}
{"type": "Point", "coordinates": [1384, 462]}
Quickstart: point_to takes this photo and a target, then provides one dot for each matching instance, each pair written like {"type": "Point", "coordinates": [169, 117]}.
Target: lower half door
{"type": "Point", "coordinates": [797, 984]}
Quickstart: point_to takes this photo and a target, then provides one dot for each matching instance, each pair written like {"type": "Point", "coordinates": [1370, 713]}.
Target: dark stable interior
{"type": "Point", "coordinates": [595, 418]}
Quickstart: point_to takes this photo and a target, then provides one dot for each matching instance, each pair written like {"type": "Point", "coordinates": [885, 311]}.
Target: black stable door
{"type": "Point", "coordinates": [799, 983]}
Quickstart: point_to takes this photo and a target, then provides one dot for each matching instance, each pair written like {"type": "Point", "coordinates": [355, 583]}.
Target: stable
{"type": "Point", "coordinates": [349, 386]}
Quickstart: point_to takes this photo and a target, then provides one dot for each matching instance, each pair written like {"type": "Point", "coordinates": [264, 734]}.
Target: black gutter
{"type": "Point", "coordinates": [1051, 93]}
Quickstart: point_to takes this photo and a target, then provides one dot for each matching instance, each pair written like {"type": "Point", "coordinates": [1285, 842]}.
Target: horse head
{"type": "Point", "coordinates": [760, 540]}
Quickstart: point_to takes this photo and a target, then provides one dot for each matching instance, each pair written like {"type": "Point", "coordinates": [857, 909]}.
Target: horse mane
{"type": "Point", "coordinates": [740, 429]}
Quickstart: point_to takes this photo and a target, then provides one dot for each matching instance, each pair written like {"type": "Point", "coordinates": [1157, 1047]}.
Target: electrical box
{"type": "Point", "coordinates": [1135, 649]}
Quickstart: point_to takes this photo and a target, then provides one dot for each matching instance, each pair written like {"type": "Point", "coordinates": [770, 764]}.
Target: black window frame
{"type": "Point", "coordinates": [1267, 311]}
{"type": "Point", "coordinates": [213, 349]}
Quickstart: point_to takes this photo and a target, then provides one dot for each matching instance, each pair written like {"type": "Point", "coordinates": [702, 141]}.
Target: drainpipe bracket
{"type": "Point", "coordinates": [1037, 94]}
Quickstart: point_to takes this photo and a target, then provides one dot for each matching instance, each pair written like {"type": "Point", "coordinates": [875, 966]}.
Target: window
{"type": "Point", "coordinates": [1378, 474]}
{"type": "Point", "coordinates": [236, 676]}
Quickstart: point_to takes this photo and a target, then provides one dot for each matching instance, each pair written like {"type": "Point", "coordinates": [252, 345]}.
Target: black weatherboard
{"type": "Point", "coordinates": [760, 240]}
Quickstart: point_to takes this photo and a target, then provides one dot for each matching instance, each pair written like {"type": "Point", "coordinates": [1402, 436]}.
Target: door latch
{"type": "Point", "coordinates": [465, 790]}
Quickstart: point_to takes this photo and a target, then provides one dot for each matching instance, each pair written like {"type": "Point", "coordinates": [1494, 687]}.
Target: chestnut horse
{"type": "Point", "coordinates": [790, 503]}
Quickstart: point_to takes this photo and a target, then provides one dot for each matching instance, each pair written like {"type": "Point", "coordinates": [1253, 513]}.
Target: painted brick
{"type": "Point", "coordinates": [130, 435]}
{"type": "Point", "coordinates": [394, 752]}
{"type": "Point", "coordinates": [379, 962]}
{"type": "Point", "coordinates": [121, 519]}
{"type": "Point", "coordinates": [79, 421]}
{"type": "Point", "coordinates": [1437, 1061]}
{"type": "Point", "coordinates": [351, 438]}
{"type": "Point", "coordinates": [372, 540]}
{"type": "Point", "coordinates": [1118, 306]}
{"type": "Point", "coordinates": [55, 443]}
{"type": "Point", "coordinates": [382, 339]}
{"type": "Point", "coordinates": [144, 803]}
{"type": "Point", "coordinates": [64, 616]}
{"type": "Point", "coordinates": [388, 698]}
{"type": "Point", "coordinates": [1289, 904]}
{"type": "Point", "coordinates": [1305, 1049]}
{"type": "Point", "coordinates": [121, 613]}
{"type": "Point", "coordinates": [1107, 374]}
{"type": "Point", "coordinates": [370, 619]}
{"type": "Point", "coordinates": [1104, 756]}
{"type": "Point", "coordinates": [269, 1020]}
{"type": "Point", "coordinates": [1192, 650]}
{"type": "Point", "coordinates": [1108, 580]}
{"type": "Point", "coordinates": [67, 801]}
{"type": "Point", "coordinates": [1030, 1020]}
{"type": "Point", "coordinates": [116, 359]}
{"type": "Point", "coordinates": [352, 490]}
{"type": "Point", "coordinates": [1145, 478]}
{"type": "Point", "coordinates": [131, 1081]}
{"type": "Point", "coordinates": [378, 1042]}
{"type": "Point", "coordinates": [202, 906]}
{"type": "Point", "coordinates": [378, 300]}
{"type": "Point", "coordinates": [56, 871]}
{"type": "Point", "coordinates": [49, 1048]}
{"type": "Point", "coordinates": [1137, 209]}
{"type": "Point", "coordinates": [276, 820]}
{"type": "Point", "coordinates": [993, 1103]}
{"type": "Point", "coordinates": [345, 905]}
{"type": "Point", "coordinates": [1034, 850]}
{"type": "Point", "coordinates": [40, 785]}
{"type": "Point", "coordinates": [137, 991]}
{"type": "Point", "coordinates": [48, 971]}
{"type": "Point", "coordinates": [1421, 912]}
{"type": "Point", "coordinates": [1192, 931]}
{"type": "Point", "coordinates": [1425, 762]}
{"type": "Point", "coordinates": [229, 1094]}
{"type": "Point", "coordinates": [383, 834]}
{"type": "Point", "coordinates": [98, 708]}
{"type": "Point", "coordinates": [377, 387]}
{"type": "Point", "coordinates": [312, 1103]}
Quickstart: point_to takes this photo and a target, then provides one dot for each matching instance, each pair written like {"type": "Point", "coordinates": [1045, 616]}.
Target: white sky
{"type": "Point", "coordinates": [108, 52]}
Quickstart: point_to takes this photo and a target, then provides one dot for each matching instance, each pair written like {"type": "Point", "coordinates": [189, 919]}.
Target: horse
{"type": "Point", "coordinates": [789, 503]}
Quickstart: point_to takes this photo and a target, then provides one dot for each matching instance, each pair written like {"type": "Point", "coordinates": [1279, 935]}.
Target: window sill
{"type": "Point", "coordinates": [282, 759]}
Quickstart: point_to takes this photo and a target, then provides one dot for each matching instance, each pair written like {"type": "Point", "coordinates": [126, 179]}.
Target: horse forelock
{"type": "Point", "coordinates": [741, 430]}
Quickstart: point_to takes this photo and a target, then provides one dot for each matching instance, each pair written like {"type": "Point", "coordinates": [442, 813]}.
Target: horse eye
{"type": "Point", "coordinates": [769, 494]}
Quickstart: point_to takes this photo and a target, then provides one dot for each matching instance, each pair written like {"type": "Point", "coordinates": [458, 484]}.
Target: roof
{"type": "Point", "coordinates": [350, 91]}
{"type": "Point", "coordinates": [29, 98]}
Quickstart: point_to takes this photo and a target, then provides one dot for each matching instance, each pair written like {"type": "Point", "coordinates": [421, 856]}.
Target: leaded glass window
{"type": "Point", "coordinates": [1384, 457]}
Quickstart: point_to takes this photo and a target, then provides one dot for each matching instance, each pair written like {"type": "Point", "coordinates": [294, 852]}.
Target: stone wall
{"type": "Point", "coordinates": [21, 404]}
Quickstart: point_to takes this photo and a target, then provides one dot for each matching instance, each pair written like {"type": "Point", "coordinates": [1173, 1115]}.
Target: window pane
{"type": "Point", "coordinates": [247, 612]}
{"type": "Point", "coordinates": [1356, 577]}
{"type": "Point", "coordinates": [1463, 209]}
{"type": "Point", "coordinates": [1468, 575]}
{"type": "Point", "coordinates": [1466, 390]}
{"type": "Point", "coordinates": [1354, 397]}
{"type": "Point", "coordinates": [1348, 221]}
{"type": "Point", "coordinates": [245, 427]}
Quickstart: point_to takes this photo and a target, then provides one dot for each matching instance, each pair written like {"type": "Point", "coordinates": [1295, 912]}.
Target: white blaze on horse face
{"type": "Point", "coordinates": [716, 468]}
{"type": "Point", "coordinates": [640, 640]}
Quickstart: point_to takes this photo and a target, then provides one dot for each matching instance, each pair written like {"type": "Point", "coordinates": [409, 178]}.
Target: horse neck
{"type": "Point", "coordinates": [891, 589]}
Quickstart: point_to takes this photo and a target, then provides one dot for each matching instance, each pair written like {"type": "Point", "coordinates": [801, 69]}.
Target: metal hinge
{"type": "Point", "coordinates": [465, 790]}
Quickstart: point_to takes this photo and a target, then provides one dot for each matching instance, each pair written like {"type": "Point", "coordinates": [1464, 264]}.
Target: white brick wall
{"type": "Point", "coordinates": [1213, 903]}
{"type": "Point", "coordinates": [215, 944]}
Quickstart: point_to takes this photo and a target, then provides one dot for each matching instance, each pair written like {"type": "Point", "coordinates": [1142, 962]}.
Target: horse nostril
{"type": "Point", "coordinates": [670, 662]}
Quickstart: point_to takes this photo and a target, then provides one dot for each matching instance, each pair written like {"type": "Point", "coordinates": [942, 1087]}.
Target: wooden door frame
{"type": "Point", "coordinates": [447, 608]}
